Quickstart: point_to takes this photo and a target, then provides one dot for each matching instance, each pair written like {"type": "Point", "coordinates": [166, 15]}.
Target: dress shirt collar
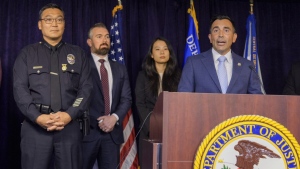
{"type": "Point", "coordinates": [96, 58]}
{"type": "Point", "coordinates": [216, 55]}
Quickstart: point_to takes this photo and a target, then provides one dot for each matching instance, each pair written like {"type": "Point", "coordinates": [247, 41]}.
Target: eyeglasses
{"type": "Point", "coordinates": [51, 20]}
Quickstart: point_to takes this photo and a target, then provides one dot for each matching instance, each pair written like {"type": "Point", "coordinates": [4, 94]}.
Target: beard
{"type": "Point", "coordinates": [102, 51]}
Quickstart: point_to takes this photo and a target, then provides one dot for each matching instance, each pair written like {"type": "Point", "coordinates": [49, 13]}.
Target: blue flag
{"type": "Point", "coordinates": [251, 47]}
{"type": "Point", "coordinates": [192, 46]}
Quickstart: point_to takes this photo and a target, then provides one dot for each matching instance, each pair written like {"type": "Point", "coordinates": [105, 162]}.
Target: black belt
{"type": "Point", "coordinates": [44, 109]}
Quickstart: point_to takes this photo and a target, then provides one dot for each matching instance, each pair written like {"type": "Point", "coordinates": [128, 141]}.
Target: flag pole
{"type": "Point", "coordinates": [120, 2]}
{"type": "Point", "coordinates": [191, 3]}
{"type": "Point", "coordinates": [251, 6]}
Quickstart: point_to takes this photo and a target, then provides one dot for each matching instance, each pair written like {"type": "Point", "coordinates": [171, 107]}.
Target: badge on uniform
{"type": "Point", "coordinates": [71, 59]}
{"type": "Point", "coordinates": [64, 67]}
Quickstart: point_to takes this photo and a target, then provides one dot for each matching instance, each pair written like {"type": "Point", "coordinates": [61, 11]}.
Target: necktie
{"type": "Point", "coordinates": [54, 81]}
{"type": "Point", "coordinates": [105, 86]}
{"type": "Point", "coordinates": [222, 74]}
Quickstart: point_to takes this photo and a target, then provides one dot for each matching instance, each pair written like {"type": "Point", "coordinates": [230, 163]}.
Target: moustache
{"type": "Point", "coordinates": [104, 44]}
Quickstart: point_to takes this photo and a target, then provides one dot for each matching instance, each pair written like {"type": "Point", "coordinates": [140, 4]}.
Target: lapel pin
{"type": "Point", "coordinates": [239, 64]}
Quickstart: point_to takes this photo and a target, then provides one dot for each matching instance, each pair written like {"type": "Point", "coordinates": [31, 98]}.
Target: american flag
{"type": "Point", "coordinates": [128, 151]}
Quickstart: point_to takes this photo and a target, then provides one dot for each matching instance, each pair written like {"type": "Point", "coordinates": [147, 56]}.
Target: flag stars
{"type": "Point", "coordinates": [116, 51]}
{"type": "Point", "coordinates": [113, 52]}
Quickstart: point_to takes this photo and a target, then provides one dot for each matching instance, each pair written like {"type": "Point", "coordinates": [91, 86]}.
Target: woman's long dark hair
{"type": "Point", "coordinates": [171, 74]}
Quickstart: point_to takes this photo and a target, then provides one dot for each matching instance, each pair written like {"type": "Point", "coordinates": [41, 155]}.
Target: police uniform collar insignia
{"type": "Point", "coordinates": [50, 46]}
{"type": "Point", "coordinates": [71, 59]}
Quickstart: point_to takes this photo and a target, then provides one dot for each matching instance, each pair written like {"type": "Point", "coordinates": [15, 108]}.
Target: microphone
{"type": "Point", "coordinates": [135, 137]}
{"type": "Point", "coordinates": [260, 81]}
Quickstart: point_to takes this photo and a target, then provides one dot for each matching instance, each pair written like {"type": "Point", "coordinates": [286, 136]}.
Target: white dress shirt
{"type": "Point", "coordinates": [109, 73]}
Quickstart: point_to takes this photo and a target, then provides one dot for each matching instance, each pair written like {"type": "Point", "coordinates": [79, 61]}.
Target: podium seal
{"type": "Point", "coordinates": [248, 142]}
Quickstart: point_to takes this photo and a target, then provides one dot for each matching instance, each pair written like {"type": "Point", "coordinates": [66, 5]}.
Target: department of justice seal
{"type": "Point", "coordinates": [71, 59]}
{"type": "Point", "coordinates": [248, 142]}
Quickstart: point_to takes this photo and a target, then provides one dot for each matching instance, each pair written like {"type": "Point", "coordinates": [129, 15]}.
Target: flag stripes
{"type": "Point", "coordinates": [128, 151]}
{"type": "Point", "coordinates": [130, 154]}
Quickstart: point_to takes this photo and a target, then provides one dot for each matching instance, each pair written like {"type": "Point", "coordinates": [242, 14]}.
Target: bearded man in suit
{"type": "Point", "coordinates": [110, 102]}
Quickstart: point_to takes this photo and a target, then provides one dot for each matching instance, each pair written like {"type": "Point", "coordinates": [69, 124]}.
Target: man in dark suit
{"type": "Point", "coordinates": [292, 86]}
{"type": "Point", "coordinates": [110, 102]}
{"type": "Point", "coordinates": [204, 73]}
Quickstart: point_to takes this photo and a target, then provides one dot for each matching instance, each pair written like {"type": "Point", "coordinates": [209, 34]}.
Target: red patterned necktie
{"type": "Point", "coordinates": [105, 86]}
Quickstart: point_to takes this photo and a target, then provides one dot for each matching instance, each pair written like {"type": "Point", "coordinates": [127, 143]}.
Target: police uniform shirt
{"type": "Point", "coordinates": [32, 79]}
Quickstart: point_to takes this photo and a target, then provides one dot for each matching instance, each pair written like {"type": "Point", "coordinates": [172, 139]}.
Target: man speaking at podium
{"type": "Point", "coordinates": [219, 70]}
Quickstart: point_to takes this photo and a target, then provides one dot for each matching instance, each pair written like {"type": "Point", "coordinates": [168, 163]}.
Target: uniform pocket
{"type": "Point", "coordinates": [71, 75]}
{"type": "Point", "coordinates": [39, 77]}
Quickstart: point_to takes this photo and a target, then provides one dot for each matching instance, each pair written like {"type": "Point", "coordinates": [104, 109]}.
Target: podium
{"type": "Point", "coordinates": [180, 121]}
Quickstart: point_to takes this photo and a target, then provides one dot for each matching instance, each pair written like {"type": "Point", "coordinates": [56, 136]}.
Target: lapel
{"type": "Point", "coordinates": [95, 74]}
{"type": "Point", "coordinates": [209, 64]}
{"type": "Point", "coordinates": [115, 75]}
{"type": "Point", "coordinates": [237, 66]}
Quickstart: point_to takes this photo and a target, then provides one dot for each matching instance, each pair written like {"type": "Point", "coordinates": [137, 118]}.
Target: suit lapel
{"type": "Point", "coordinates": [209, 64]}
{"type": "Point", "coordinates": [95, 74]}
{"type": "Point", "coordinates": [115, 75]}
{"type": "Point", "coordinates": [237, 66]}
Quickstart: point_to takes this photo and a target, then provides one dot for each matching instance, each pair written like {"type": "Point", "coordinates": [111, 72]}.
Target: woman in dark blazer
{"type": "Point", "coordinates": [160, 73]}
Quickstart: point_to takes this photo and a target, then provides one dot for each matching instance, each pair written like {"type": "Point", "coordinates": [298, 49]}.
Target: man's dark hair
{"type": "Point", "coordinates": [50, 5]}
{"type": "Point", "coordinates": [221, 17]}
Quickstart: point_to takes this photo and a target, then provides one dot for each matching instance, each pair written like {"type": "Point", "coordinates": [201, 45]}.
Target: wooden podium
{"type": "Point", "coordinates": [180, 121]}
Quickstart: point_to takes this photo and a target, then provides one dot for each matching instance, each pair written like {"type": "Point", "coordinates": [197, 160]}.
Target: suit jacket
{"type": "Point", "coordinates": [292, 86]}
{"type": "Point", "coordinates": [199, 75]}
{"type": "Point", "coordinates": [145, 102]}
{"type": "Point", "coordinates": [121, 100]}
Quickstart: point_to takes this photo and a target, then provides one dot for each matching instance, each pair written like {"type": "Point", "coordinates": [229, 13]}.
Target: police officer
{"type": "Point", "coordinates": [52, 87]}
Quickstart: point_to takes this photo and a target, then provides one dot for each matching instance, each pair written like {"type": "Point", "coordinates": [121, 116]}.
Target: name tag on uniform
{"type": "Point", "coordinates": [37, 67]}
